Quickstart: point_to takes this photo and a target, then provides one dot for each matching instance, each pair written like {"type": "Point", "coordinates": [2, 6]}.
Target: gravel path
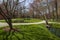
{"type": "Point", "coordinates": [5, 24]}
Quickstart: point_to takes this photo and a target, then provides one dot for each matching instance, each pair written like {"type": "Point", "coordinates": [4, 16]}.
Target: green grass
{"type": "Point", "coordinates": [55, 25]}
{"type": "Point", "coordinates": [24, 20]}
{"type": "Point", "coordinates": [2, 20]}
{"type": "Point", "coordinates": [51, 20]}
{"type": "Point", "coordinates": [30, 32]}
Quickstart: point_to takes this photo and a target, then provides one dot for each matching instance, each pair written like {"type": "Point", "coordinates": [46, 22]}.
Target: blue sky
{"type": "Point", "coordinates": [29, 1]}
{"type": "Point", "coordinates": [26, 3]}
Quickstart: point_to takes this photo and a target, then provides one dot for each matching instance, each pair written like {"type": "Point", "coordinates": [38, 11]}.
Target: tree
{"type": "Point", "coordinates": [56, 6]}
{"type": "Point", "coordinates": [7, 10]}
{"type": "Point", "coordinates": [39, 7]}
{"type": "Point", "coordinates": [9, 7]}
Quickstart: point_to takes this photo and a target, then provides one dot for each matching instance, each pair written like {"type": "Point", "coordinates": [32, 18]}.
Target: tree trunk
{"type": "Point", "coordinates": [56, 6]}
{"type": "Point", "coordinates": [46, 20]}
{"type": "Point", "coordinates": [10, 23]}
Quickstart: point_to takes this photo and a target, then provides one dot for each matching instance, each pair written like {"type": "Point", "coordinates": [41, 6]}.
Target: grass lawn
{"type": "Point", "coordinates": [51, 20]}
{"type": "Point", "coordinates": [55, 25]}
{"type": "Point", "coordinates": [23, 20]}
{"type": "Point", "coordinates": [29, 32]}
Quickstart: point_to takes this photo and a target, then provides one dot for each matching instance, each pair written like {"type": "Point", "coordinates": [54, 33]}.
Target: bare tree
{"type": "Point", "coordinates": [7, 10]}
{"type": "Point", "coordinates": [56, 6]}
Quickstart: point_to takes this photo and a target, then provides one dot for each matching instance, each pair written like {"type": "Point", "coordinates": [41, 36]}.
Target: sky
{"type": "Point", "coordinates": [29, 1]}
{"type": "Point", "coordinates": [26, 2]}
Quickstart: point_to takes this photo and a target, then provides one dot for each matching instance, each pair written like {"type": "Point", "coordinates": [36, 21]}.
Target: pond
{"type": "Point", "coordinates": [55, 31]}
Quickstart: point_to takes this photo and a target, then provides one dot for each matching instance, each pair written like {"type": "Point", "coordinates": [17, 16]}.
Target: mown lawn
{"type": "Point", "coordinates": [55, 25]}
{"type": "Point", "coordinates": [51, 20]}
{"type": "Point", "coordinates": [23, 20]}
{"type": "Point", "coordinates": [29, 32]}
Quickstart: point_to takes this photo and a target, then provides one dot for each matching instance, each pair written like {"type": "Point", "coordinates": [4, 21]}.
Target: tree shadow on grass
{"type": "Point", "coordinates": [9, 35]}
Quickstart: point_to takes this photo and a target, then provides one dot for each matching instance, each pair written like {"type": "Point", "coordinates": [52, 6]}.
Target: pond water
{"type": "Point", "coordinates": [55, 31]}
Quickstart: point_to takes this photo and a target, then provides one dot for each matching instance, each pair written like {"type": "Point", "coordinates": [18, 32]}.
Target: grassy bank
{"type": "Point", "coordinates": [23, 20]}
{"type": "Point", "coordinates": [29, 32]}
